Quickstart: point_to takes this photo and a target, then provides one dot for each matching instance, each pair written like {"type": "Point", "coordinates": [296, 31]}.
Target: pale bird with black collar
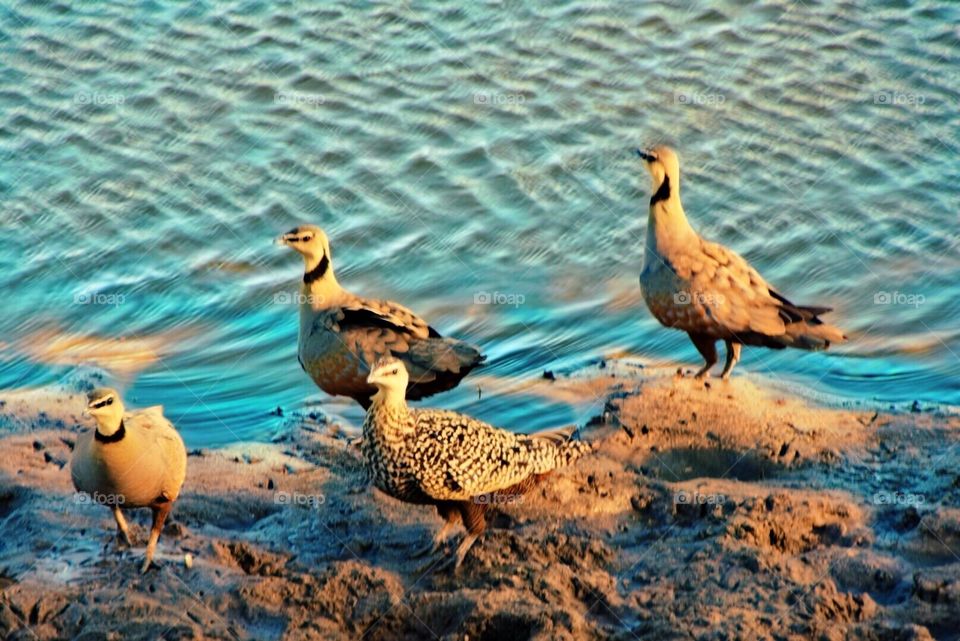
{"type": "Point", "coordinates": [342, 334]}
{"type": "Point", "coordinates": [710, 292]}
{"type": "Point", "coordinates": [129, 460]}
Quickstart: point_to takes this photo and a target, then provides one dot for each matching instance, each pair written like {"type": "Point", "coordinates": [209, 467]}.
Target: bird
{"type": "Point", "coordinates": [130, 460]}
{"type": "Point", "coordinates": [342, 334]}
{"type": "Point", "coordinates": [710, 291]}
{"type": "Point", "coordinates": [454, 462]}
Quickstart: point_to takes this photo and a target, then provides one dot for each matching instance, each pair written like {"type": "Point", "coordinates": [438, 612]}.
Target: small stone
{"type": "Point", "coordinates": [37, 445]}
{"type": "Point", "coordinates": [549, 375]}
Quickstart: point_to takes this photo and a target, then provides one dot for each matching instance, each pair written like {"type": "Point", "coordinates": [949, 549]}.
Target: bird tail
{"type": "Point", "coordinates": [565, 449]}
{"type": "Point", "coordinates": [811, 333]}
{"type": "Point", "coordinates": [803, 327]}
{"type": "Point", "coordinates": [438, 364]}
{"type": "Point", "coordinates": [468, 355]}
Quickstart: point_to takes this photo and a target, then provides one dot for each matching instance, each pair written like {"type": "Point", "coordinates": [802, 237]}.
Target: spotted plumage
{"type": "Point", "coordinates": [130, 460]}
{"type": "Point", "coordinates": [711, 292]}
{"type": "Point", "coordinates": [450, 460]}
{"type": "Point", "coordinates": [342, 334]}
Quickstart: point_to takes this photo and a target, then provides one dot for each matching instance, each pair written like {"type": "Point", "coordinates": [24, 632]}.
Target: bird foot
{"type": "Point", "coordinates": [426, 550]}
{"type": "Point", "coordinates": [450, 565]}
{"type": "Point", "coordinates": [430, 566]}
{"type": "Point", "coordinates": [147, 564]}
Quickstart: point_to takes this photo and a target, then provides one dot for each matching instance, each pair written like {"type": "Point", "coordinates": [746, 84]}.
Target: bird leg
{"type": "Point", "coordinates": [707, 346]}
{"type": "Point", "coordinates": [474, 519]}
{"type": "Point", "coordinates": [463, 548]}
{"type": "Point", "coordinates": [123, 532]}
{"type": "Point", "coordinates": [452, 516]}
{"type": "Point", "coordinates": [160, 513]}
{"type": "Point", "coordinates": [733, 355]}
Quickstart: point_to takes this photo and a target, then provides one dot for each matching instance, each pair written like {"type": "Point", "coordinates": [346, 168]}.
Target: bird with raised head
{"type": "Point", "coordinates": [130, 460]}
{"type": "Point", "coordinates": [342, 334]}
{"type": "Point", "coordinates": [450, 460]}
{"type": "Point", "coordinates": [709, 291]}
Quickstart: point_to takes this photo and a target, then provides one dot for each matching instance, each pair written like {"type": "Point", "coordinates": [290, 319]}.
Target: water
{"type": "Point", "coordinates": [150, 151]}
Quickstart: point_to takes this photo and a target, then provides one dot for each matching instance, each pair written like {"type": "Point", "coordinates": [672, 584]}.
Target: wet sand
{"type": "Point", "coordinates": [730, 511]}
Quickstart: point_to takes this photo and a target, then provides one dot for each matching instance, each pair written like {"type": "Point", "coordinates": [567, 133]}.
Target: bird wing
{"type": "Point", "coordinates": [730, 292]}
{"type": "Point", "coordinates": [383, 314]}
{"type": "Point", "coordinates": [167, 443]}
{"type": "Point", "coordinates": [457, 457]}
{"type": "Point", "coordinates": [375, 328]}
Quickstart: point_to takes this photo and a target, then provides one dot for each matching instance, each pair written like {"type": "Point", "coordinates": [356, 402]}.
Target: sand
{"type": "Point", "coordinates": [738, 510]}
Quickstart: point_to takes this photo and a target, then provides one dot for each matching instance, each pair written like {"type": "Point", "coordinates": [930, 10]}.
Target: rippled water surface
{"type": "Point", "coordinates": [150, 151]}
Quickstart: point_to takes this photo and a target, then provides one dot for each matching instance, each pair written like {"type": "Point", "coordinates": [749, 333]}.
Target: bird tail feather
{"type": "Point", "coordinates": [564, 449]}
{"type": "Point", "coordinates": [557, 436]}
{"type": "Point", "coordinates": [812, 336]}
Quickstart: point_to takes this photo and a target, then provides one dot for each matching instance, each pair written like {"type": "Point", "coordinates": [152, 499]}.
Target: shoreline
{"type": "Point", "coordinates": [734, 510]}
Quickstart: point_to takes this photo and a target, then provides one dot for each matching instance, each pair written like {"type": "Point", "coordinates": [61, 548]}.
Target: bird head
{"type": "Point", "coordinates": [661, 162]}
{"type": "Point", "coordinates": [106, 407]}
{"type": "Point", "coordinates": [389, 375]}
{"type": "Point", "coordinates": [309, 241]}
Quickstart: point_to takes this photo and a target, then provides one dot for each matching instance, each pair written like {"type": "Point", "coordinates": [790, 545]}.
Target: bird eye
{"type": "Point", "coordinates": [306, 239]}
{"type": "Point", "coordinates": [395, 371]}
{"type": "Point", "coordinates": [110, 401]}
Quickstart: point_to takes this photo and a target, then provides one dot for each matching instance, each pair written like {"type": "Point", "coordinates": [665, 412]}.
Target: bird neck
{"type": "Point", "coordinates": [667, 223]}
{"type": "Point", "coordinates": [109, 432]}
{"type": "Point", "coordinates": [390, 398]}
{"type": "Point", "coordinates": [390, 409]}
{"type": "Point", "coordinates": [320, 285]}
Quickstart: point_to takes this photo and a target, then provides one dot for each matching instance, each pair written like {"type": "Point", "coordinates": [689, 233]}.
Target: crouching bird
{"type": "Point", "coordinates": [709, 291]}
{"type": "Point", "coordinates": [342, 334]}
{"type": "Point", "coordinates": [129, 461]}
{"type": "Point", "coordinates": [452, 461]}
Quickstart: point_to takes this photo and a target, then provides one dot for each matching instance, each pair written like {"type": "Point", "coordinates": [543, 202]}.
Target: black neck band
{"type": "Point", "coordinates": [317, 272]}
{"type": "Point", "coordinates": [663, 193]}
{"type": "Point", "coordinates": [113, 438]}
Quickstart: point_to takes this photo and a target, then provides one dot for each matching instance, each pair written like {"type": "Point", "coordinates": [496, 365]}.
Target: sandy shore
{"type": "Point", "coordinates": [728, 511]}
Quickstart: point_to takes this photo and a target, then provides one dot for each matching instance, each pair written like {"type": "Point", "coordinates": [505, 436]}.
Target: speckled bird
{"type": "Point", "coordinates": [709, 291]}
{"type": "Point", "coordinates": [450, 460]}
{"type": "Point", "coordinates": [342, 334]}
{"type": "Point", "coordinates": [130, 460]}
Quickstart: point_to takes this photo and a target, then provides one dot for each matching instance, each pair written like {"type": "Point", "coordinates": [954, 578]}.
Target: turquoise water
{"type": "Point", "coordinates": [150, 151]}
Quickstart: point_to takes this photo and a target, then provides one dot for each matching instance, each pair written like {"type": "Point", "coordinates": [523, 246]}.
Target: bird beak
{"type": "Point", "coordinates": [647, 157]}
{"type": "Point", "coordinates": [281, 240]}
{"type": "Point", "coordinates": [371, 379]}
